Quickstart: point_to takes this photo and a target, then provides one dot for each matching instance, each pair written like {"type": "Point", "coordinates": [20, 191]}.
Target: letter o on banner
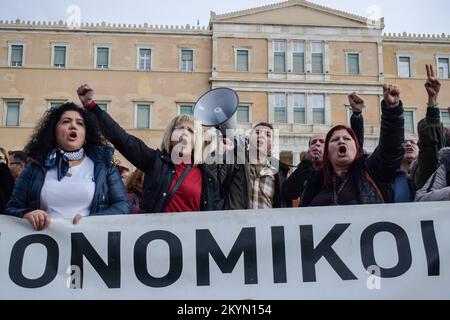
{"type": "Point", "coordinates": [403, 248]}
{"type": "Point", "coordinates": [140, 259]}
{"type": "Point", "coordinates": [16, 261]}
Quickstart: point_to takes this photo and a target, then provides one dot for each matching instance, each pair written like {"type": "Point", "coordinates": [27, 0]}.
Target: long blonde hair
{"type": "Point", "coordinates": [167, 136]}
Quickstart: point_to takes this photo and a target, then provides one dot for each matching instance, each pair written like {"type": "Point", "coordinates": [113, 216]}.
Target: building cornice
{"type": "Point", "coordinates": [101, 27]}
{"type": "Point", "coordinates": [329, 87]}
{"type": "Point", "coordinates": [217, 18]}
{"type": "Point", "coordinates": [422, 38]}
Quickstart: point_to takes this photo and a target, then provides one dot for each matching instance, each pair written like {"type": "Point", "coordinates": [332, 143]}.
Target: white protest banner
{"type": "Point", "coordinates": [393, 251]}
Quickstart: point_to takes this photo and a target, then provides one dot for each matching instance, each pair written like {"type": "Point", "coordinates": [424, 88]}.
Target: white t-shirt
{"type": "Point", "coordinates": [72, 195]}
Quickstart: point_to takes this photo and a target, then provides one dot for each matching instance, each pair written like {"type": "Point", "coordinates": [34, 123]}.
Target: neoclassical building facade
{"type": "Point", "coordinates": [292, 64]}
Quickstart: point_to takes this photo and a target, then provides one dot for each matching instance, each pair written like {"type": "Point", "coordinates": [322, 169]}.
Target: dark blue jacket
{"type": "Point", "coordinates": [158, 168]}
{"type": "Point", "coordinates": [110, 196]}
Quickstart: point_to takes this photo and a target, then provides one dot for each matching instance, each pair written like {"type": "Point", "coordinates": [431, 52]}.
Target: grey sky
{"type": "Point", "coordinates": [412, 16]}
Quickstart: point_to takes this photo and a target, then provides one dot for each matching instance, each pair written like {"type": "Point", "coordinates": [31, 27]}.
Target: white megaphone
{"type": "Point", "coordinates": [217, 108]}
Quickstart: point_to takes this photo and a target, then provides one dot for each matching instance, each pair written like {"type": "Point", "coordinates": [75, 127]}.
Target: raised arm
{"type": "Point", "coordinates": [132, 148]}
{"type": "Point", "coordinates": [388, 155]}
{"type": "Point", "coordinates": [357, 119]}
{"type": "Point", "coordinates": [431, 132]}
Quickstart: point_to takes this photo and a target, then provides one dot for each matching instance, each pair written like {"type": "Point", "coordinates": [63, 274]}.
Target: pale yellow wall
{"type": "Point", "coordinates": [121, 86]}
{"type": "Point", "coordinates": [368, 58]}
{"type": "Point", "coordinates": [165, 51]}
{"type": "Point", "coordinates": [421, 55]}
{"type": "Point", "coordinates": [226, 57]}
{"type": "Point", "coordinates": [259, 105]}
{"type": "Point", "coordinates": [297, 16]}
{"type": "Point", "coordinates": [412, 89]}
{"type": "Point", "coordinates": [371, 111]}
{"type": "Point", "coordinates": [165, 86]}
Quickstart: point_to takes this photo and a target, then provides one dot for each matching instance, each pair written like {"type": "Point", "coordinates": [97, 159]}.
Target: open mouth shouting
{"type": "Point", "coordinates": [73, 135]}
{"type": "Point", "coordinates": [342, 151]}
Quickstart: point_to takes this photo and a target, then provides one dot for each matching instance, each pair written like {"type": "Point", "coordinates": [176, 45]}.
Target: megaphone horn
{"type": "Point", "coordinates": [217, 108]}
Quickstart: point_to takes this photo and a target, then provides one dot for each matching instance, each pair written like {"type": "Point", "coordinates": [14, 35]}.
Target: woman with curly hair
{"type": "Point", "coordinates": [70, 174]}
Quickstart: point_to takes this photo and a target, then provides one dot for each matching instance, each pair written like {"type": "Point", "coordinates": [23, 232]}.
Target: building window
{"type": "Point", "coordinates": [243, 114]}
{"type": "Point", "coordinates": [102, 58]}
{"type": "Point", "coordinates": [59, 55]}
{"type": "Point", "coordinates": [409, 121]}
{"type": "Point", "coordinates": [280, 108]}
{"type": "Point", "coordinates": [186, 109]}
{"type": "Point", "coordinates": [242, 60]}
{"type": "Point", "coordinates": [445, 118]}
{"type": "Point", "coordinates": [103, 106]}
{"type": "Point", "coordinates": [142, 120]}
{"type": "Point", "coordinates": [55, 103]}
{"type": "Point", "coordinates": [353, 63]}
{"type": "Point", "coordinates": [317, 57]}
{"type": "Point", "coordinates": [12, 113]}
{"type": "Point", "coordinates": [299, 108]}
{"type": "Point", "coordinates": [443, 68]}
{"type": "Point", "coordinates": [298, 57]}
{"type": "Point", "coordinates": [280, 56]}
{"type": "Point", "coordinates": [404, 67]}
{"type": "Point", "coordinates": [144, 59]}
{"type": "Point", "coordinates": [16, 53]}
{"type": "Point", "coordinates": [318, 108]}
{"type": "Point", "coordinates": [187, 60]}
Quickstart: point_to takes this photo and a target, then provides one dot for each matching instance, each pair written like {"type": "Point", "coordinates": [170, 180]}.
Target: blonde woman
{"type": "Point", "coordinates": [175, 179]}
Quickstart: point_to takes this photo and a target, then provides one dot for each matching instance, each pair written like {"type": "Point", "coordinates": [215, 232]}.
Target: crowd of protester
{"type": "Point", "coordinates": [67, 170]}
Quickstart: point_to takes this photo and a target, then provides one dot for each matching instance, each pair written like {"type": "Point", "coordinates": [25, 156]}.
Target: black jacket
{"type": "Point", "coordinates": [6, 185]}
{"type": "Point", "coordinates": [293, 187]}
{"type": "Point", "coordinates": [157, 165]}
{"type": "Point", "coordinates": [372, 176]}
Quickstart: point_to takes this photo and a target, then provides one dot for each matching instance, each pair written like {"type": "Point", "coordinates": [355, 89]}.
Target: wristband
{"type": "Point", "coordinates": [91, 104]}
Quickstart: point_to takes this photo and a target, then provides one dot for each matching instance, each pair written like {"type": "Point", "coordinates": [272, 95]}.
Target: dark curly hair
{"type": "Point", "coordinates": [43, 138]}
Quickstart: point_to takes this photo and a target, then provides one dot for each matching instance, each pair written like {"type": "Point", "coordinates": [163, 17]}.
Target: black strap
{"type": "Point", "coordinates": [175, 187]}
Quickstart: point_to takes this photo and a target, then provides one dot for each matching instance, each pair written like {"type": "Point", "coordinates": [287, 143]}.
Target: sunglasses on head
{"type": "Point", "coordinates": [184, 128]}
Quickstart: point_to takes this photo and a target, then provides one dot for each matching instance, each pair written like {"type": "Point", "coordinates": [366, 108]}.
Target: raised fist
{"type": "Point", "coordinates": [391, 95]}
{"type": "Point", "coordinates": [85, 94]}
{"type": "Point", "coordinates": [356, 102]}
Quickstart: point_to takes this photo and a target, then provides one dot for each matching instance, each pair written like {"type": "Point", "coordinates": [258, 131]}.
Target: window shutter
{"type": "Point", "coordinates": [242, 60]}
{"type": "Point", "coordinates": [102, 57]}
{"type": "Point", "coordinates": [12, 114]}
{"type": "Point", "coordinates": [353, 63]}
{"type": "Point", "coordinates": [59, 56]}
